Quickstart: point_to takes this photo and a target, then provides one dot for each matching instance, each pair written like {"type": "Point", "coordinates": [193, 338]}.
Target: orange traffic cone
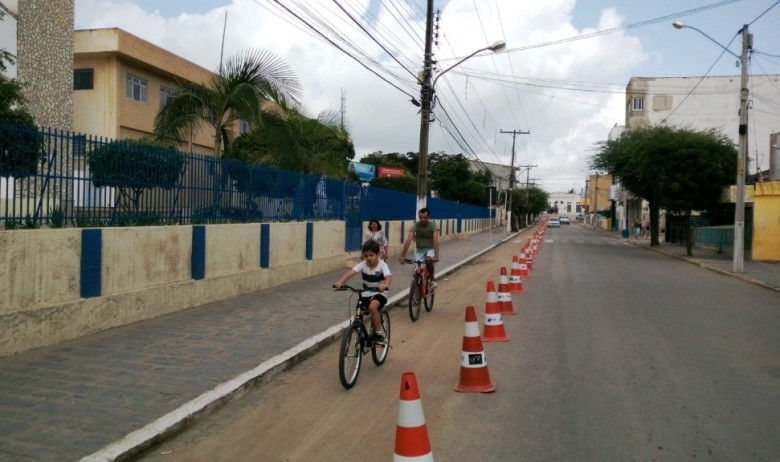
{"type": "Point", "coordinates": [515, 282]}
{"type": "Point", "coordinates": [522, 267]}
{"type": "Point", "coordinates": [411, 434]}
{"type": "Point", "coordinates": [529, 260]}
{"type": "Point", "coordinates": [494, 323]}
{"type": "Point", "coordinates": [504, 297]}
{"type": "Point", "coordinates": [474, 375]}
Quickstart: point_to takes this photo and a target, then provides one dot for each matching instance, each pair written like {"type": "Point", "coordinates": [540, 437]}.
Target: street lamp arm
{"type": "Point", "coordinates": [495, 48]}
{"type": "Point", "coordinates": [680, 25]}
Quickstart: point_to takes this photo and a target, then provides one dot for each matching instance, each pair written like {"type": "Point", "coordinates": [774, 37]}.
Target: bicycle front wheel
{"type": "Point", "coordinates": [379, 352]}
{"type": "Point", "coordinates": [430, 296]}
{"type": "Point", "coordinates": [414, 299]}
{"type": "Point", "coordinates": [350, 356]}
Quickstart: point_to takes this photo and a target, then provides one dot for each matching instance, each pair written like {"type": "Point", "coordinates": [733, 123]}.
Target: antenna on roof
{"type": "Point", "coordinates": [222, 49]}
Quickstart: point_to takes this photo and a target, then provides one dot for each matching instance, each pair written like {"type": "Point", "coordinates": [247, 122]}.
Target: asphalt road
{"type": "Point", "coordinates": [616, 354]}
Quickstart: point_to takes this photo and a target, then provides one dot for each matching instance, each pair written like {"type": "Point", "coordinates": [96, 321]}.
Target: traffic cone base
{"type": "Point", "coordinates": [505, 302]}
{"type": "Point", "coordinates": [411, 434]}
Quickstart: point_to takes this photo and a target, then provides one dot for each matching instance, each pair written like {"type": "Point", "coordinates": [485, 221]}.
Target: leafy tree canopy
{"type": "Point", "coordinates": [679, 169]}
{"type": "Point", "coordinates": [20, 142]}
{"type": "Point", "coordinates": [293, 141]}
{"type": "Point", "coordinates": [135, 164]}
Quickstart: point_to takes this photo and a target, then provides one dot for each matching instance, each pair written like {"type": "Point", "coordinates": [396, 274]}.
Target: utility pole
{"type": "Point", "coordinates": [738, 265]}
{"type": "Point", "coordinates": [425, 111]}
{"type": "Point", "coordinates": [514, 134]}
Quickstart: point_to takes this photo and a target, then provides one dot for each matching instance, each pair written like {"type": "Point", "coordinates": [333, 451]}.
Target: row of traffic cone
{"type": "Point", "coordinates": [412, 442]}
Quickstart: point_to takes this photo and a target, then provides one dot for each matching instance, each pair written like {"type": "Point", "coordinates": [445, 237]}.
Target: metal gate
{"type": "Point", "coordinates": [353, 216]}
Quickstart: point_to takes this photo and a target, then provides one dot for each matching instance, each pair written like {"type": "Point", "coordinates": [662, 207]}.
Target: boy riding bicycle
{"type": "Point", "coordinates": [376, 282]}
{"type": "Point", "coordinates": [426, 237]}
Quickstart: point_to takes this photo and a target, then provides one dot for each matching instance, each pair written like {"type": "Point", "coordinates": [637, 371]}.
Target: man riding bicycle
{"type": "Point", "coordinates": [426, 237]}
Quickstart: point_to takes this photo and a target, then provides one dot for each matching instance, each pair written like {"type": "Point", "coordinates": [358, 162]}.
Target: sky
{"type": "Point", "coordinates": [568, 94]}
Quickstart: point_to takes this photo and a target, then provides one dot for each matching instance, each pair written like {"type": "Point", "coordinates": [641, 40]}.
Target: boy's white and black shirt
{"type": "Point", "coordinates": [372, 277]}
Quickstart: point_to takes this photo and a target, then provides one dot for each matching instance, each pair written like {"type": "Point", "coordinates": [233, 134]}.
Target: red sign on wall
{"type": "Point", "coordinates": [390, 171]}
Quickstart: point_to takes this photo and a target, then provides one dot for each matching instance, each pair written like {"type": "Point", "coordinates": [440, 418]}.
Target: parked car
{"type": "Point", "coordinates": [565, 221]}
{"type": "Point", "coordinates": [553, 222]}
{"type": "Point", "coordinates": [580, 217]}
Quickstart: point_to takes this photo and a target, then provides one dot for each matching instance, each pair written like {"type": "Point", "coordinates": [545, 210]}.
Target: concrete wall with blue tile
{"type": "Point", "coordinates": [57, 285]}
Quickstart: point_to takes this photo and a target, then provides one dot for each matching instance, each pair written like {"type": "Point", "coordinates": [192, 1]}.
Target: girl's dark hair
{"type": "Point", "coordinates": [379, 225]}
{"type": "Point", "coordinates": [370, 246]}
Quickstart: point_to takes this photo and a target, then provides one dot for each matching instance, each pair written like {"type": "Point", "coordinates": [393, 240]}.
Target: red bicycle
{"type": "Point", "coordinates": [421, 290]}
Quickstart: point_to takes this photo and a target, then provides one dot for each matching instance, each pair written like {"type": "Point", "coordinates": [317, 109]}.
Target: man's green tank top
{"type": "Point", "coordinates": [423, 236]}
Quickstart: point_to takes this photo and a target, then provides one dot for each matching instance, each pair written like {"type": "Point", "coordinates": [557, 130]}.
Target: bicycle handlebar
{"type": "Point", "coordinates": [345, 287]}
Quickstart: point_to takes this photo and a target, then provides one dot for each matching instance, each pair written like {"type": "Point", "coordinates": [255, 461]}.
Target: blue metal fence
{"type": "Point", "coordinates": [57, 179]}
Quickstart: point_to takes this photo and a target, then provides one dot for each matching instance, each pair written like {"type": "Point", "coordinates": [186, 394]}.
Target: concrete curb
{"type": "Point", "coordinates": [168, 425]}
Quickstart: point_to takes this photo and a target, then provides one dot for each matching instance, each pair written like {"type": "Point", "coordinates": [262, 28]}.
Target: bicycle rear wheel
{"type": "Point", "coordinates": [430, 296]}
{"type": "Point", "coordinates": [379, 352]}
{"type": "Point", "coordinates": [414, 298]}
{"type": "Point", "coordinates": [350, 357]}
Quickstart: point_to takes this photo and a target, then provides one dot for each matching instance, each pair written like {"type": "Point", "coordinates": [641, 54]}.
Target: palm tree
{"type": "Point", "coordinates": [291, 140]}
{"type": "Point", "coordinates": [238, 91]}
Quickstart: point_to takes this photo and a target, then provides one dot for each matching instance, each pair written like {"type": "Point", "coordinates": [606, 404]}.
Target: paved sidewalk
{"type": "Point", "coordinates": [107, 395]}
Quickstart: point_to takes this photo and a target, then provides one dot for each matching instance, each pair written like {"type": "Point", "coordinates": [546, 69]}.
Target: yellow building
{"type": "Point", "coordinates": [766, 221]}
{"type": "Point", "coordinates": [120, 82]}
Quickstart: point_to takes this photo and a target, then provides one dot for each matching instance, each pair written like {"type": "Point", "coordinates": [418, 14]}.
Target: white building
{"type": "Point", "coordinates": [709, 102]}
{"type": "Point", "coordinates": [567, 203]}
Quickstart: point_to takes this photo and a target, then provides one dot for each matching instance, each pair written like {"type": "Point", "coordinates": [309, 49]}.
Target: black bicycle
{"type": "Point", "coordinates": [420, 291]}
{"type": "Point", "coordinates": [357, 340]}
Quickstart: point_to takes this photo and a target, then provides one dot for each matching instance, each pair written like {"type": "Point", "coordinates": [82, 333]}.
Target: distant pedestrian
{"type": "Point", "coordinates": [637, 228]}
{"type": "Point", "coordinates": [375, 233]}
{"type": "Point", "coordinates": [647, 229]}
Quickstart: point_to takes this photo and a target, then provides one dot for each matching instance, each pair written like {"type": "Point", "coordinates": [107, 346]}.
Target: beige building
{"type": "Point", "coordinates": [120, 82]}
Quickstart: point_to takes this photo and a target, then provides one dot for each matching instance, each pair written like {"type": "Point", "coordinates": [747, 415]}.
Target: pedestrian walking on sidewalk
{"type": "Point", "coordinates": [637, 228]}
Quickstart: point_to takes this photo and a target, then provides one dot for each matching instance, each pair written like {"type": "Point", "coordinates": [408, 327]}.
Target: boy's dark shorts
{"type": "Point", "coordinates": [365, 301]}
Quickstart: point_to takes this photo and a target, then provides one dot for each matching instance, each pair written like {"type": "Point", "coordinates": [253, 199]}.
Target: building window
{"type": "Point", "coordinates": [83, 79]}
{"type": "Point", "coordinates": [166, 94]}
{"type": "Point", "coordinates": [637, 104]}
{"type": "Point", "coordinates": [136, 88]}
{"type": "Point", "coordinates": [244, 126]}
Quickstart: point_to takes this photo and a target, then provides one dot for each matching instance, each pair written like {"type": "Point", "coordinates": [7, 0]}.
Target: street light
{"type": "Point", "coordinates": [425, 111]}
{"type": "Point", "coordinates": [738, 264]}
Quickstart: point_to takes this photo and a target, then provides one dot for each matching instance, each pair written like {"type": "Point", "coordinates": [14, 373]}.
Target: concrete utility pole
{"type": "Point", "coordinates": [514, 134]}
{"type": "Point", "coordinates": [425, 111]}
{"type": "Point", "coordinates": [738, 265]}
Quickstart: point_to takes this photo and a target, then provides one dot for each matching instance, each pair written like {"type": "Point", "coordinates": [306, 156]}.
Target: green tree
{"type": "Point", "coordinates": [452, 178]}
{"type": "Point", "coordinates": [246, 84]}
{"type": "Point", "coordinates": [132, 166]}
{"type": "Point", "coordinates": [679, 169]}
{"type": "Point", "coordinates": [528, 203]}
{"type": "Point", "coordinates": [20, 142]}
{"type": "Point", "coordinates": [406, 183]}
{"type": "Point", "coordinates": [292, 141]}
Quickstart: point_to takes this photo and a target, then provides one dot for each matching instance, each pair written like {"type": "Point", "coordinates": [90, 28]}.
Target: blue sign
{"type": "Point", "coordinates": [366, 172]}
